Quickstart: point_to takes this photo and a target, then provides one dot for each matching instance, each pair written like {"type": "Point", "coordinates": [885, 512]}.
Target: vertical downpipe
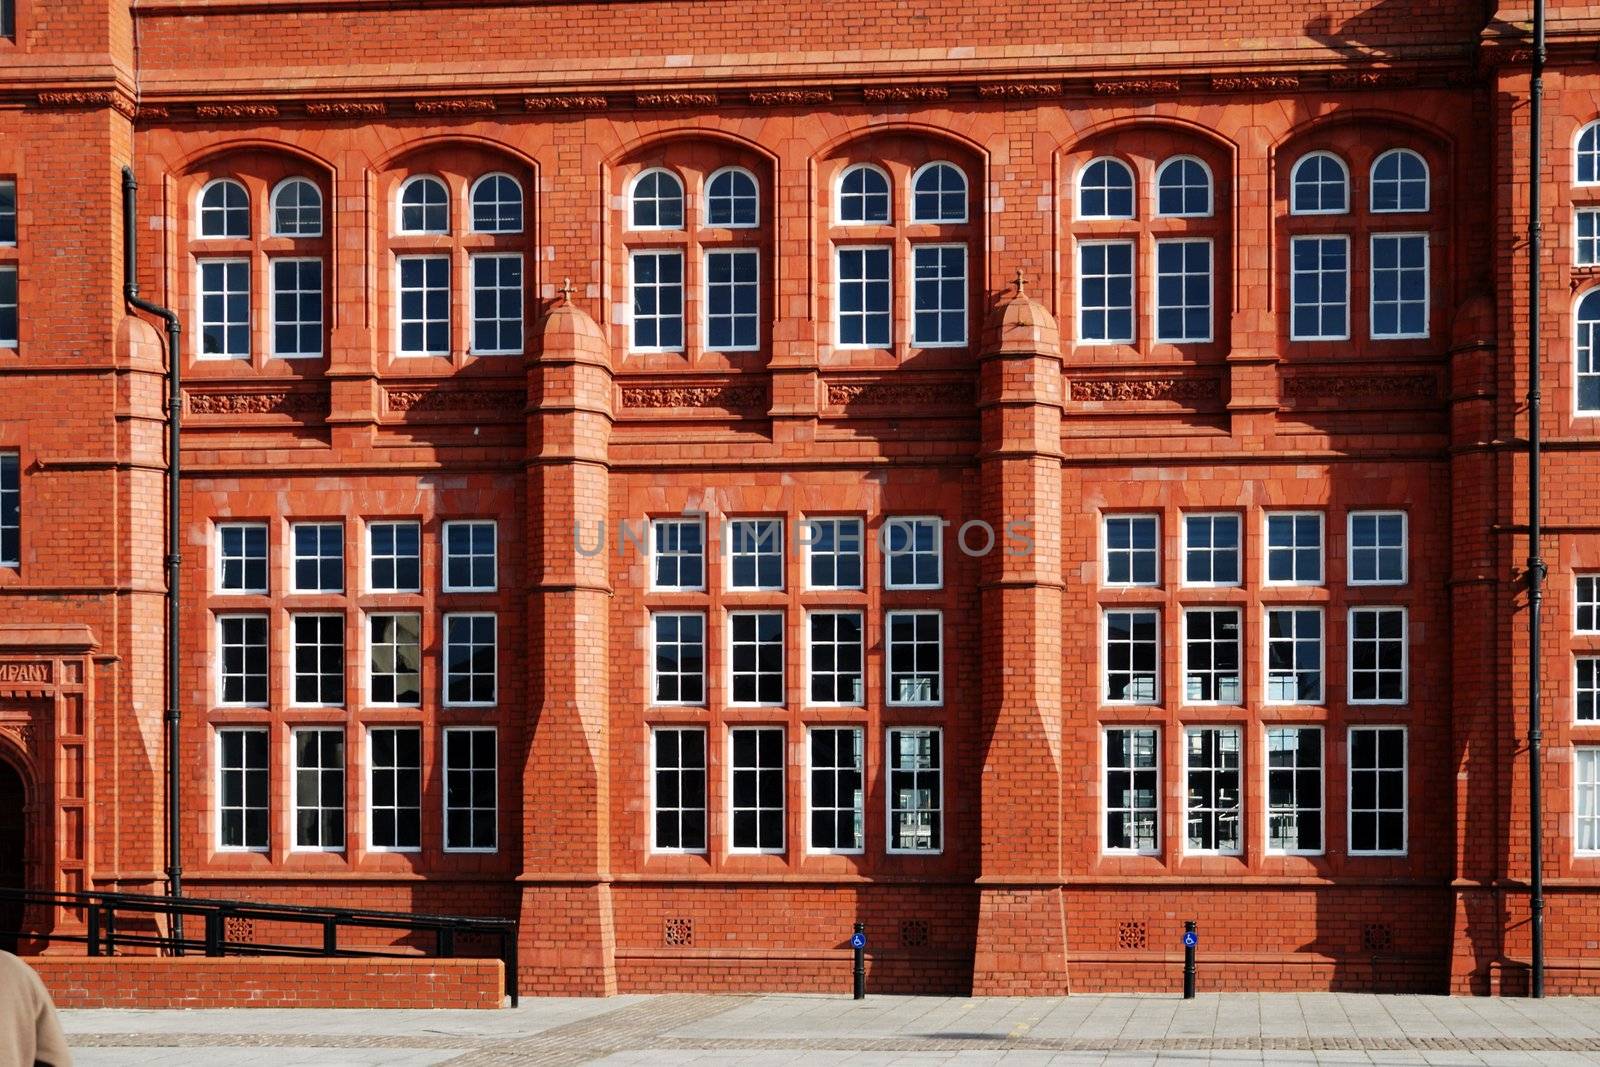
{"type": "Point", "coordinates": [1536, 564]}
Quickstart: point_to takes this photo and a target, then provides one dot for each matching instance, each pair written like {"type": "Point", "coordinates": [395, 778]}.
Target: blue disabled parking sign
{"type": "Point", "coordinates": [1191, 939]}
{"type": "Point", "coordinates": [858, 940]}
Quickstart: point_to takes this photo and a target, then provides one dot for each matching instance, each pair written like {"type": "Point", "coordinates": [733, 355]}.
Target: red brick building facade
{"type": "Point", "coordinates": [596, 419]}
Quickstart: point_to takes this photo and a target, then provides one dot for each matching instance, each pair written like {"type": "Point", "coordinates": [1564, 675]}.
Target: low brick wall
{"type": "Point", "coordinates": [199, 982]}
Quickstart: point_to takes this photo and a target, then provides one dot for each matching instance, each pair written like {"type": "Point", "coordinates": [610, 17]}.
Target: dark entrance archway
{"type": "Point", "coordinates": [13, 842]}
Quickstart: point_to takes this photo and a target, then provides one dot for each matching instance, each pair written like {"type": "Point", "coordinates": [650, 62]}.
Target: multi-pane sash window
{"type": "Point", "coordinates": [938, 194]}
{"type": "Point", "coordinates": [1586, 705]}
{"type": "Point", "coordinates": [296, 308]}
{"type": "Point", "coordinates": [1586, 252]}
{"type": "Point", "coordinates": [395, 790]}
{"type": "Point", "coordinates": [915, 657]}
{"type": "Point", "coordinates": [497, 305]}
{"type": "Point", "coordinates": [1586, 799]}
{"type": "Point", "coordinates": [916, 790]}
{"type": "Point", "coordinates": [224, 209]}
{"type": "Point", "coordinates": [1377, 548]}
{"type": "Point", "coordinates": [758, 788]}
{"type": "Point", "coordinates": [394, 664]}
{"type": "Point", "coordinates": [657, 301]}
{"type": "Point", "coordinates": [911, 553]}
{"type": "Point", "coordinates": [657, 201]}
{"type": "Point", "coordinates": [1377, 790]}
{"type": "Point", "coordinates": [424, 205]}
{"type": "Point", "coordinates": [318, 557]}
{"type": "Point", "coordinates": [319, 789]}
{"type": "Point", "coordinates": [1587, 616]}
{"type": "Point", "coordinates": [1131, 656]}
{"type": "Point", "coordinates": [1586, 328]}
{"type": "Point", "coordinates": [1294, 549]}
{"type": "Point", "coordinates": [1105, 291]}
{"type": "Point", "coordinates": [225, 308]}
{"type": "Point", "coordinates": [1319, 288]}
{"type": "Point", "coordinates": [395, 554]}
{"type": "Point", "coordinates": [1132, 550]}
{"type": "Point", "coordinates": [470, 556]}
{"type": "Point", "coordinates": [1399, 285]}
{"type": "Point", "coordinates": [242, 795]}
{"type": "Point", "coordinates": [469, 659]}
{"type": "Point", "coordinates": [679, 800]}
{"type": "Point", "coordinates": [864, 316]}
{"type": "Point", "coordinates": [8, 211]}
{"type": "Point", "coordinates": [733, 299]}
{"type": "Point", "coordinates": [833, 548]}
{"type": "Point", "coordinates": [8, 305]}
{"type": "Point", "coordinates": [732, 198]}
{"type": "Point", "coordinates": [318, 659]}
{"type": "Point", "coordinates": [242, 557]}
{"type": "Point", "coordinates": [243, 639]}
{"type": "Point", "coordinates": [1319, 185]}
{"type": "Point", "coordinates": [1183, 188]}
{"type": "Point", "coordinates": [835, 657]}
{"type": "Point", "coordinates": [677, 554]}
{"type": "Point", "coordinates": [1132, 801]}
{"type": "Point", "coordinates": [296, 209]}
{"type": "Point", "coordinates": [10, 510]}
{"type": "Point", "coordinates": [1183, 291]}
{"type": "Point", "coordinates": [1399, 182]}
{"type": "Point", "coordinates": [679, 676]}
{"type": "Point", "coordinates": [1377, 655]}
{"type": "Point", "coordinates": [838, 808]}
{"type": "Point", "coordinates": [1294, 789]}
{"type": "Point", "coordinates": [1211, 656]}
{"type": "Point", "coordinates": [1105, 190]}
{"type": "Point", "coordinates": [1214, 806]}
{"type": "Point", "coordinates": [755, 655]}
{"type": "Point", "coordinates": [863, 195]}
{"type": "Point", "coordinates": [424, 305]}
{"type": "Point", "coordinates": [1294, 655]}
{"type": "Point", "coordinates": [496, 204]}
{"type": "Point", "coordinates": [939, 295]}
{"type": "Point", "coordinates": [755, 549]}
{"type": "Point", "coordinates": [471, 804]}
{"type": "Point", "coordinates": [1211, 550]}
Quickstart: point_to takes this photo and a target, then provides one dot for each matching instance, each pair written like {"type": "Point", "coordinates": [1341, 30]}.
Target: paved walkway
{"type": "Point", "coordinates": [1124, 1031]}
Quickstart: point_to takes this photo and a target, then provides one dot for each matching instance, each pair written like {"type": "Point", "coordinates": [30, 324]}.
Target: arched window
{"type": "Point", "coordinates": [424, 206]}
{"type": "Point", "coordinates": [296, 209]}
{"type": "Point", "coordinates": [864, 195]}
{"type": "Point", "coordinates": [1589, 154]}
{"type": "Point", "coordinates": [1105, 190]}
{"type": "Point", "coordinates": [1587, 336]}
{"type": "Point", "coordinates": [1319, 185]}
{"type": "Point", "coordinates": [224, 209]}
{"type": "Point", "coordinates": [939, 194]}
{"type": "Point", "coordinates": [731, 198]}
{"type": "Point", "coordinates": [496, 204]}
{"type": "Point", "coordinates": [1183, 188]}
{"type": "Point", "coordinates": [657, 201]}
{"type": "Point", "coordinates": [1399, 181]}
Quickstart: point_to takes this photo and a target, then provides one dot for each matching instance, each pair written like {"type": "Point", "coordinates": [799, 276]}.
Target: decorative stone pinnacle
{"type": "Point", "coordinates": [566, 290]}
{"type": "Point", "coordinates": [1021, 282]}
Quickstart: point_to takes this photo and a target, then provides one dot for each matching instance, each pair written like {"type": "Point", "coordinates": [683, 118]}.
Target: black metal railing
{"type": "Point", "coordinates": [110, 923]}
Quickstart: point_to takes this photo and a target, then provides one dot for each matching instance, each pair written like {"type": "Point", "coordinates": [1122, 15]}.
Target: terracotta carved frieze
{"type": "Point", "coordinates": [1019, 90]}
{"type": "Point", "coordinates": [236, 111]}
{"type": "Point", "coordinates": [88, 98]}
{"type": "Point", "coordinates": [1371, 79]}
{"type": "Point", "coordinates": [153, 111]}
{"type": "Point", "coordinates": [790, 97]}
{"type": "Point", "coordinates": [341, 109]}
{"type": "Point", "coordinates": [675, 99]}
{"type": "Point", "coordinates": [257, 402]}
{"type": "Point", "coordinates": [455, 400]}
{"type": "Point", "coordinates": [1250, 83]}
{"type": "Point", "coordinates": [1135, 87]}
{"type": "Point", "coordinates": [1173, 389]}
{"type": "Point", "coordinates": [726, 397]}
{"type": "Point", "coordinates": [1410, 388]}
{"type": "Point", "coordinates": [565, 103]}
{"type": "Point", "coordinates": [462, 105]}
{"type": "Point", "coordinates": [22, 734]}
{"type": "Point", "coordinates": [900, 394]}
{"type": "Point", "coordinates": [904, 94]}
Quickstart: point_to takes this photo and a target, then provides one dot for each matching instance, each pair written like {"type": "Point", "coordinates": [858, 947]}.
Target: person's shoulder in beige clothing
{"type": "Point", "coordinates": [30, 1034]}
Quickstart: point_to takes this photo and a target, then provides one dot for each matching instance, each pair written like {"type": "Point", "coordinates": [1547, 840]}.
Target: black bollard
{"type": "Point", "coordinates": [858, 941]}
{"type": "Point", "coordinates": [1190, 940]}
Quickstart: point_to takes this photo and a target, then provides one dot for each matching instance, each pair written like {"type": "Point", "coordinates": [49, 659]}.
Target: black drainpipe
{"type": "Point", "coordinates": [1536, 565]}
{"type": "Point", "coordinates": [130, 289]}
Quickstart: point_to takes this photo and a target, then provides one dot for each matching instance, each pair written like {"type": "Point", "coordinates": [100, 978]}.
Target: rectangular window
{"type": "Point", "coordinates": [835, 655]}
{"type": "Point", "coordinates": [424, 305]}
{"type": "Point", "coordinates": [242, 557]}
{"type": "Point", "coordinates": [1213, 810]}
{"type": "Point", "coordinates": [1105, 292]}
{"type": "Point", "coordinates": [225, 308]}
{"type": "Point", "coordinates": [10, 510]}
{"type": "Point", "coordinates": [679, 755]}
{"type": "Point", "coordinates": [679, 675]}
{"type": "Point", "coordinates": [1377, 548]}
{"type": "Point", "coordinates": [758, 788]}
{"type": "Point", "coordinates": [915, 660]}
{"type": "Point", "coordinates": [8, 305]}
{"type": "Point", "coordinates": [658, 301]}
{"type": "Point", "coordinates": [1131, 654]}
{"type": "Point", "coordinates": [297, 308]}
{"type": "Point", "coordinates": [394, 665]}
{"type": "Point", "coordinates": [395, 788]}
{"type": "Point", "coordinates": [1294, 548]}
{"type": "Point", "coordinates": [394, 550]}
{"type": "Point", "coordinates": [755, 656]}
{"type": "Point", "coordinates": [677, 554]}
{"type": "Point", "coordinates": [1211, 656]}
{"type": "Point", "coordinates": [319, 789]}
{"type": "Point", "coordinates": [1320, 288]}
{"type": "Point", "coordinates": [1586, 799]}
{"type": "Point", "coordinates": [1586, 706]}
{"type": "Point", "coordinates": [1587, 250]}
{"type": "Point", "coordinates": [837, 793]}
{"type": "Point", "coordinates": [242, 795]}
{"type": "Point", "coordinates": [8, 18]}
{"type": "Point", "coordinates": [1183, 291]}
{"type": "Point", "coordinates": [916, 790]}
{"type": "Point", "coordinates": [912, 557]}
{"type": "Point", "coordinates": [1294, 790]}
{"type": "Point", "coordinates": [243, 639]}
{"type": "Point", "coordinates": [497, 305]}
{"type": "Point", "coordinates": [1294, 655]}
{"type": "Point", "coordinates": [470, 556]}
{"type": "Point", "coordinates": [833, 552]}
{"type": "Point", "coordinates": [1377, 790]}
{"type": "Point", "coordinates": [1132, 550]}
{"type": "Point", "coordinates": [318, 652]}
{"type": "Point", "coordinates": [864, 297]}
{"type": "Point", "coordinates": [733, 299]}
{"type": "Point", "coordinates": [8, 189]}
{"type": "Point", "coordinates": [1211, 550]}
{"type": "Point", "coordinates": [471, 803]}
{"type": "Point", "coordinates": [318, 556]}
{"type": "Point", "coordinates": [1399, 285]}
{"type": "Point", "coordinates": [469, 660]}
{"type": "Point", "coordinates": [1133, 812]}
{"type": "Point", "coordinates": [755, 548]}
{"type": "Point", "coordinates": [939, 295]}
{"type": "Point", "coordinates": [1587, 616]}
{"type": "Point", "coordinates": [1377, 655]}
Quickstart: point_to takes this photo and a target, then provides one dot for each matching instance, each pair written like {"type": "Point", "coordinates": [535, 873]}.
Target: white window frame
{"type": "Point", "coordinates": [838, 197]}
{"type": "Point", "coordinates": [1372, 183]}
{"type": "Point", "coordinates": [1578, 578]}
{"type": "Point", "coordinates": [811, 769]}
{"type": "Point", "coordinates": [1237, 730]}
{"type": "Point", "coordinates": [657, 553]}
{"type": "Point", "coordinates": [911, 293]}
{"type": "Point", "coordinates": [11, 507]}
{"type": "Point", "coordinates": [1105, 655]}
{"type": "Point", "coordinates": [294, 789]}
{"type": "Point", "coordinates": [1579, 689]}
{"type": "Point", "coordinates": [200, 210]}
{"type": "Point", "coordinates": [225, 322]}
{"type": "Point", "coordinates": [272, 306]}
{"type": "Point", "coordinates": [1266, 789]}
{"type": "Point", "coordinates": [1077, 190]}
{"type": "Point", "coordinates": [839, 522]}
{"type": "Point", "coordinates": [1585, 775]}
{"type": "Point", "coordinates": [1106, 848]}
{"type": "Point", "coordinates": [1266, 655]}
{"type": "Point", "coordinates": [1350, 789]}
{"type": "Point", "coordinates": [911, 523]}
{"type": "Point", "coordinates": [272, 208]}
{"type": "Point", "coordinates": [758, 675]}
{"type": "Point", "coordinates": [760, 551]}
{"type": "Point", "coordinates": [15, 304]}
{"type": "Point", "coordinates": [889, 696]}
{"type": "Point", "coordinates": [1405, 546]}
{"type": "Point", "coordinates": [244, 792]}
{"type": "Point", "coordinates": [294, 660]}
{"type": "Point", "coordinates": [295, 558]}
{"type": "Point", "coordinates": [711, 178]}
{"type": "Point", "coordinates": [889, 809]}
{"type": "Point", "coordinates": [1239, 653]}
{"type": "Point", "coordinates": [266, 560]}
{"type": "Point", "coordinates": [838, 297]}
{"type": "Point", "coordinates": [1344, 168]}
{"type": "Point", "coordinates": [758, 729]}
{"type": "Point", "coordinates": [1405, 652]}
{"type": "Point", "coordinates": [1106, 550]}
{"type": "Point", "coordinates": [861, 657]}
{"type": "Point", "coordinates": [1294, 547]}
{"type": "Point", "coordinates": [446, 555]}
{"type": "Point", "coordinates": [369, 584]}
{"type": "Point", "coordinates": [1372, 288]}
{"type": "Point", "coordinates": [369, 667]}
{"type": "Point", "coordinates": [651, 675]}
{"type": "Point", "coordinates": [446, 674]}
{"type": "Point", "coordinates": [400, 320]}
{"type": "Point", "coordinates": [1581, 330]}
{"type": "Point", "coordinates": [1238, 550]}
{"type": "Point", "coordinates": [683, 286]}
{"type": "Point", "coordinates": [736, 253]}
{"type": "Point", "coordinates": [472, 203]}
{"type": "Point", "coordinates": [1349, 278]}
{"type": "Point", "coordinates": [633, 191]}
{"type": "Point", "coordinates": [14, 214]}
{"type": "Point", "coordinates": [911, 195]}
{"type": "Point", "coordinates": [1081, 308]}
{"type": "Point", "coordinates": [220, 672]}
{"type": "Point", "coordinates": [400, 200]}
{"type": "Point", "coordinates": [705, 789]}
{"type": "Point", "coordinates": [1592, 240]}
{"type": "Point", "coordinates": [1592, 127]}
{"type": "Point", "coordinates": [1155, 189]}
{"type": "Point", "coordinates": [372, 771]}
{"type": "Point", "coordinates": [473, 289]}
{"type": "Point", "coordinates": [444, 789]}
{"type": "Point", "coordinates": [1155, 289]}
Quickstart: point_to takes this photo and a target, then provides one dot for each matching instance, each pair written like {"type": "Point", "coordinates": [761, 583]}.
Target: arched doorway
{"type": "Point", "coordinates": [13, 842]}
